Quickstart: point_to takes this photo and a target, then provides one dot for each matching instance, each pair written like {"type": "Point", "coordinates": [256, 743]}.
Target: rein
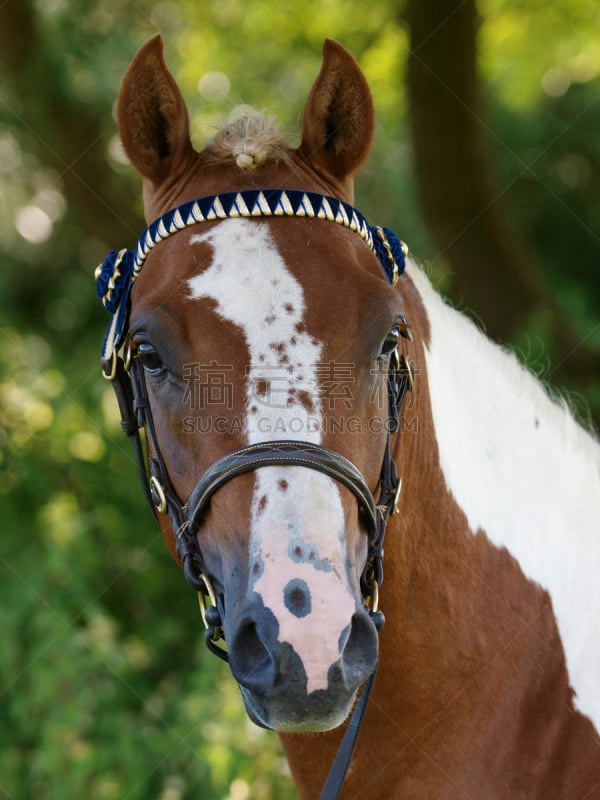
{"type": "Point", "coordinates": [114, 280]}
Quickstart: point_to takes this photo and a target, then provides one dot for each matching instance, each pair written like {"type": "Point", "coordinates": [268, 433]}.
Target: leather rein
{"type": "Point", "coordinates": [115, 278]}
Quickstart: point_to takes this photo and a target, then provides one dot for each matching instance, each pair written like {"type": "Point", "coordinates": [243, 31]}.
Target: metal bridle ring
{"type": "Point", "coordinates": [373, 599]}
{"type": "Point", "coordinates": [209, 591]}
{"type": "Point", "coordinates": [158, 495]}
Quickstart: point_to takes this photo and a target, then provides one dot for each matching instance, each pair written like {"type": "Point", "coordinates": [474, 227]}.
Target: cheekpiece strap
{"type": "Point", "coordinates": [116, 275]}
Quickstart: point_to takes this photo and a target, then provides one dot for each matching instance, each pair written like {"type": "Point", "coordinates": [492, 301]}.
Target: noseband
{"type": "Point", "coordinates": [115, 278]}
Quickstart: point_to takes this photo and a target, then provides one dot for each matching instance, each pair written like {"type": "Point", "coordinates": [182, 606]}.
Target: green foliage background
{"type": "Point", "coordinates": [105, 688]}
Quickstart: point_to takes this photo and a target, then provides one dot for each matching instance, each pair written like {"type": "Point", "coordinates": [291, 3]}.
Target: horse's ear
{"type": "Point", "coordinates": [338, 116]}
{"type": "Point", "coordinates": [153, 118]}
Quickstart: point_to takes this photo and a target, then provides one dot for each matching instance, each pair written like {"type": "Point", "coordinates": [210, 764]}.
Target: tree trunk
{"type": "Point", "coordinates": [494, 274]}
{"type": "Point", "coordinates": [492, 271]}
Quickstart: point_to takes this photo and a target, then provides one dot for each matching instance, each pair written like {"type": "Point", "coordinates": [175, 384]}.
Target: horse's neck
{"type": "Point", "coordinates": [518, 465]}
{"type": "Point", "coordinates": [522, 472]}
{"type": "Point", "coordinates": [494, 561]}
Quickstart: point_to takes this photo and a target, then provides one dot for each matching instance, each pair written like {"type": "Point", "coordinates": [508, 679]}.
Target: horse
{"type": "Point", "coordinates": [289, 363]}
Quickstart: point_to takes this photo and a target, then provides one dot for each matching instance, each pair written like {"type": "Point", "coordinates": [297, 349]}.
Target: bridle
{"type": "Point", "coordinates": [115, 278]}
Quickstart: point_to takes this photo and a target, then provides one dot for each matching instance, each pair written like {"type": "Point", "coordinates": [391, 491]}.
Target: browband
{"type": "Point", "coordinates": [119, 270]}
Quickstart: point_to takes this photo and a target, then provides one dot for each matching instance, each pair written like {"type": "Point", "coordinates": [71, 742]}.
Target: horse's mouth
{"type": "Point", "coordinates": [286, 693]}
{"type": "Point", "coordinates": [320, 711]}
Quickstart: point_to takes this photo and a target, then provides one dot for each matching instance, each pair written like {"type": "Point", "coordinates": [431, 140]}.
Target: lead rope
{"type": "Point", "coordinates": [400, 380]}
{"type": "Point", "coordinates": [343, 757]}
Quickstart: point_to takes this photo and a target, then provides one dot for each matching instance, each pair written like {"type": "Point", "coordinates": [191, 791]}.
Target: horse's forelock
{"type": "Point", "coordinates": [249, 141]}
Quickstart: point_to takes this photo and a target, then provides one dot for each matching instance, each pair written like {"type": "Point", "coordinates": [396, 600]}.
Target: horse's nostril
{"type": "Point", "coordinates": [359, 651]}
{"type": "Point", "coordinates": [249, 645]}
{"type": "Point", "coordinates": [249, 657]}
{"type": "Point", "coordinates": [297, 599]}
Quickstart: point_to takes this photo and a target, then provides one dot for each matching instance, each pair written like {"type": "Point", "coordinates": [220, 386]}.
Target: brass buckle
{"type": "Point", "coordinates": [112, 373]}
{"type": "Point", "coordinates": [405, 366]}
{"type": "Point", "coordinates": [396, 506]}
{"type": "Point", "coordinates": [210, 593]}
{"type": "Point", "coordinates": [128, 357]}
{"type": "Point", "coordinates": [372, 601]}
{"type": "Point", "coordinates": [157, 490]}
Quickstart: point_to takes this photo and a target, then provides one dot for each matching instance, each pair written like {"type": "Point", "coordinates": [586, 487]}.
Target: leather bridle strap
{"type": "Point", "coordinates": [120, 269]}
{"type": "Point", "coordinates": [343, 757]}
{"type": "Point", "coordinates": [276, 454]}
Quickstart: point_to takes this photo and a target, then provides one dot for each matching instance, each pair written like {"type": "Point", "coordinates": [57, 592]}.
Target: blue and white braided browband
{"type": "Point", "coordinates": [119, 270]}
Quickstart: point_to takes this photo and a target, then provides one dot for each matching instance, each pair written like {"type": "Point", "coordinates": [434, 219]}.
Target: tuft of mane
{"type": "Point", "coordinates": [249, 142]}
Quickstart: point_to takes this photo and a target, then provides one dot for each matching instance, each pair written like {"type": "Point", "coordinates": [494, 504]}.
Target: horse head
{"type": "Point", "coordinates": [260, 349]}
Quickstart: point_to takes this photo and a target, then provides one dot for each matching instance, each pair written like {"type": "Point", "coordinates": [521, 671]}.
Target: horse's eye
{"type": "Point", "coordinates": [390, 342]}
{"type": "Point", "coordinates": [149, 357]}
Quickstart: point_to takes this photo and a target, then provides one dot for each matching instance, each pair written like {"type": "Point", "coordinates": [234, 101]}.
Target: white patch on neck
{"type": "Point", "coordinates": [525, 473]}
{"type": "Point", "coordinates": [295, 511]}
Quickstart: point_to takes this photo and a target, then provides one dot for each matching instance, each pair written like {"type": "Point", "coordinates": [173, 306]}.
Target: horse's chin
{"type": "Point", "coordinates": [317, 713]}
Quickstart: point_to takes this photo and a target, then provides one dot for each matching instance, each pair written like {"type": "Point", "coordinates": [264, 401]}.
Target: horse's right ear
{"type": "Point", "coordinates": [153, 118]}
{"type": "Point", "coordinates": [338, 117]}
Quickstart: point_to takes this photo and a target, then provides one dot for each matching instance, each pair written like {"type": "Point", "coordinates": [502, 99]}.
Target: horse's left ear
{"type": "Point", "coordinates": [153, 118]}
{"type": "Point", "coordinates": [338, 116]}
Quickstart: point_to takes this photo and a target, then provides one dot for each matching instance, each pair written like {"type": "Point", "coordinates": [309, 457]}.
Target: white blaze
{"type": "Point", "coordinates": [297, 524]}
{"type": "Point", "coordinates": [525, 473]}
